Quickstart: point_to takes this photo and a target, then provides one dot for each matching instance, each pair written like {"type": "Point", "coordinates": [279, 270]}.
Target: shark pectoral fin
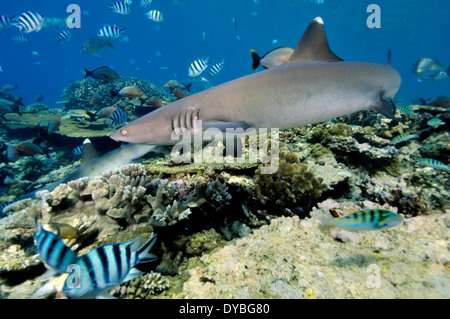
{"type": "Point", "coordinates": [313, 45]}
{"type": "Point", "coordinates": [385, 107]}
{"type": "Point", "coordinates": [223, 126]}
{"type": "Point", "coordinates": [237, 149]}
{"type": "Point", "coordinates": [350, 117]}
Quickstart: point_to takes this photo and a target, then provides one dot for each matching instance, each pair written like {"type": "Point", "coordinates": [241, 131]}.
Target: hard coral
{"type": "Point", "coordinates": [79, 93]}
{"type": "Point", "coordinates": [120, 194]}
{"type": "Point", "coordinates": [293, 185]}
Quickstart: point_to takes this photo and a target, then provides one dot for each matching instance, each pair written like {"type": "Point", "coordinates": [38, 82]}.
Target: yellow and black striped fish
{"type": "Point", "coordinates": [197, 67]}
{"type": "Point", "coordinates": [155, 15]}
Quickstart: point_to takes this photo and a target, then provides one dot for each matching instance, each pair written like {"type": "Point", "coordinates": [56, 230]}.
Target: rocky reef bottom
{"type": "Point", "coordinates": [293, 258]}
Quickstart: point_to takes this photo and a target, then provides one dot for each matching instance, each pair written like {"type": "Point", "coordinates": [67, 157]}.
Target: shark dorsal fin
{"type": "Point", "coordinates": [313, 45]}
{"type": "Point", "coordinates": [89, 152]}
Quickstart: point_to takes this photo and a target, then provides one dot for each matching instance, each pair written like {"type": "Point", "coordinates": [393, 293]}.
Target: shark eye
{"type": "Point", "coordinates": [123, 132]}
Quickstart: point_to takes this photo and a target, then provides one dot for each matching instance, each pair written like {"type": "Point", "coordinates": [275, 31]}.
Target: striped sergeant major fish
{"type": "Point", "coordinates": [368, 219]}
{"type": "Point", "coordinates": [78, 150]}
{"type": "Point", "coordinates": [29, 21]}
{"type": "Point", "coordinates": [64, 36]}
{"type": "Point", "coordinates": [197, 67]}
{"type": "Point", "coordinates": [216, 68]}
{"type": "Point", "coordinates": [155, 15]}
{"type": "Point", "coordinates": [110, 32]}
{"type": "Point", "coordinates": [20, 38]}
{"type": "Point", "coordinates": [57, 256]}
{"type": "Point", "coordinates": [117, 118]}
{"type": "Point", "coordinates": [430, 162]}
{"type": "Point", "coordinates": [145, 3]}
{"type": "Point", "coordinates": [5, 21]}
{"type": "Point", "coordinates": [107, 266]}
{"type": "Point", "coordinates": [121, 7]}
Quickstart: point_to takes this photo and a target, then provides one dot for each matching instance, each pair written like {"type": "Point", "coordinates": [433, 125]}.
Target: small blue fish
{"type": "Point", "coordinates": [108, 266]}
{"type": "Point", "coordinates": [369, 219]}
{"type": "Point", "coordinates": [117, 118]}
{"type": "Point", "coordinates": [433, 163]}
{"type": "Point", "coordinates": [78, 150]}
{"type": "Point", "coordinates": [64, 36]}
{"type": "Point", "coordinates": [52, 250]}
{"type": "Point", "coordinates": [435, 121]}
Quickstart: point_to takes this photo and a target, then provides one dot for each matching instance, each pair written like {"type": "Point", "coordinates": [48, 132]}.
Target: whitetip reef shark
{"type": "Point", "coordinates": [312, 86]}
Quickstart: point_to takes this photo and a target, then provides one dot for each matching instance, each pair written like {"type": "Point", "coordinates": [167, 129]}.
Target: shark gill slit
{"type": "Point", "coordinates": [183, 121]}
{"type": "Point", "coordinates": [189, 116]}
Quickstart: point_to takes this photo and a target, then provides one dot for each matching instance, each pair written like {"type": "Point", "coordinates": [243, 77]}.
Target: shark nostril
{"type": "Point", "coordinates": [123, 132]}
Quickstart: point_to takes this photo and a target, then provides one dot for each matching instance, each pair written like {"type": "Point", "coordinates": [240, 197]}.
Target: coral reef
{"type": "Point", "coordinates": [120, 194]}
{"type": "Point", "coordinates": [203, 242]}
{"type": "Point", "coordinates": [174, 199]}
{"type": "Point", "coordinates": [292, 258]}
{"type": "Point", "coordinates": [79, 93]}
{"type": "Point", "coordinates": [293, 185]}
{"type": "Point", "coordinates": [143, 287]}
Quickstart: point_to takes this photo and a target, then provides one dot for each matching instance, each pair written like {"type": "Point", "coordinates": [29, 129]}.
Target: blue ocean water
{"type": "Point", "coordinates": [192, 29]}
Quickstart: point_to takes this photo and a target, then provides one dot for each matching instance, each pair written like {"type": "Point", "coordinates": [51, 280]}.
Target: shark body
{"type": "Point", "coordinates": [93, 165]}
{"type": "Point", "coordinates": [312, 86]}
